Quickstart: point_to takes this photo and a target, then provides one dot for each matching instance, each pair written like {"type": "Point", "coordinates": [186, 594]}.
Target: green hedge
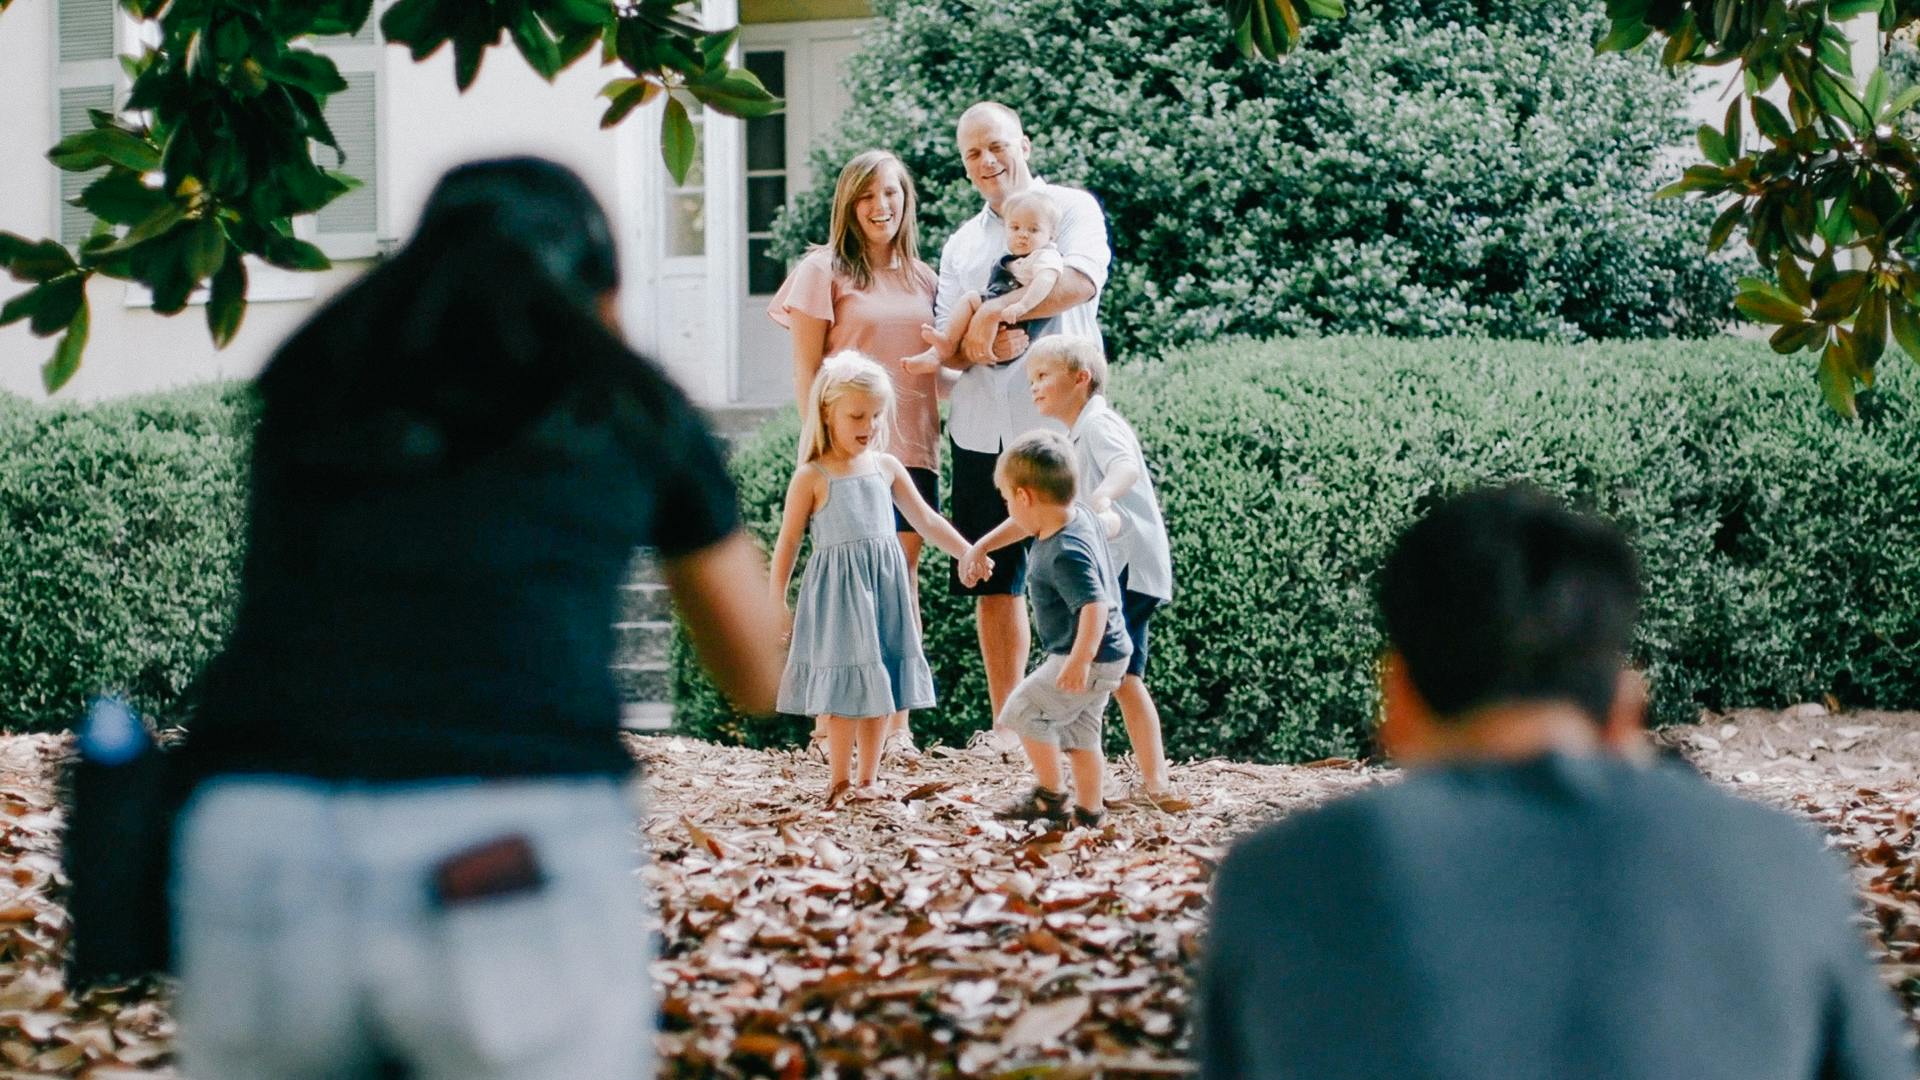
{"type": "Point", "coordinates": [1781, 546]}
{"type": "Point", "coordinates": [1421, 168]}
{"type": "Point", "coordinates": [120, 543]}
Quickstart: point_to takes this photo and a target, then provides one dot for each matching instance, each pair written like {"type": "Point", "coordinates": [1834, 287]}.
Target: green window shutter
{"type": "Point", "coordinates": [76, 224]}
{"type": "Point", "coordinates": [353, 114]}
{"type": "Point", "coordinates": [86, 30]}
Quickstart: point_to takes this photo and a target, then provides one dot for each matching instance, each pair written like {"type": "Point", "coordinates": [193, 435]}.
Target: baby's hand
{"type": "Point", "coordinates": [922, 363]}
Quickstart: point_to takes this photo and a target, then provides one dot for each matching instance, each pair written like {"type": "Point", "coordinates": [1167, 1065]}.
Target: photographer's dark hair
{"type": "Point", "coordinates": [486, 322]}
{"type": "Point", "coordinates": [1503, 594]}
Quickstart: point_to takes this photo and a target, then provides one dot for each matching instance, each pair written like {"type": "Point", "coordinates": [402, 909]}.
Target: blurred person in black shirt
{"type": "Point", "coordinates": [411, 845]}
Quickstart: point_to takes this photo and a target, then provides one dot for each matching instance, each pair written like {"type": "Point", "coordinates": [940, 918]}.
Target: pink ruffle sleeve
{"type": "Point", "coordinates": [808, 290]}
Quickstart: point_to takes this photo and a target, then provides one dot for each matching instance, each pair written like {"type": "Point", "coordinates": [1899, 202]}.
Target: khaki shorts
{"type": "Point", "coordinates": [1039, 709]}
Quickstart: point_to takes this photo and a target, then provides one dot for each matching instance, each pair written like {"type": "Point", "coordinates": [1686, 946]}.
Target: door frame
{"type": "Point", "coordinates": [728, 272]}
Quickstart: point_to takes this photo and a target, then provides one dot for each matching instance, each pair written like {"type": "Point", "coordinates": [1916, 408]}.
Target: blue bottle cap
{"type": "Point", "coordinates": [111, 734]}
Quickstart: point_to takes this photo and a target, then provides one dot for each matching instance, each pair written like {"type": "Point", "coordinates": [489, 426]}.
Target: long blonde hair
{"type": "Point", "coordinates": [843, 373]}
{"type": "Point", "coordinates": [843, 233]}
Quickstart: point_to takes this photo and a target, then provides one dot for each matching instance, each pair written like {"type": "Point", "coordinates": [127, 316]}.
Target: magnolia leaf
{"type": "Point", "coordinates": [294, 254]}
{"type": "Point", "coordinates": [1724, 224]}
{"type": "Point", "coordinates": [1793, 337]}
{"type": "Point", "coordinates": [1627, 34]}
{"type": "Point", "coordinates": [206, 248]}
{"type": "Point", "coordinates": [739, 94]}
{"type": "Point", "coordinates": [1905, 324]}
{"type": "Point", "coordinates": [56, 372]}
{"type": "Point", "coordinates": [1713, 146]}
{"type": "Point", "coordinates": [1870, 330]}
{"type": "Point", "coordinates": [156, 224]}
{"type": "Point", "coordinates": [99, 146]}
{"type": "Point", "coordinates": [227, 299]}
{"type": "Point", "coordinates": [1770, 309]}
{"type": "Point", "coordinates": [121, 198]}
{"type": "Point", "coordinates": [1836, 380]}
{"type": "Point", "coordinates": [633, 94]}
{"type": "Point", "coordinates": [1771, 122]}
{"type": "Point", "coordinates": [1793, 280]}
{"type": "Point", "coordinates": [1902, 102]}
{"type": "Point", "coordinates": [317, 75]}
{"type": "Point", "coordinates": [1842, 295]}
{"type": "Point", "coordinates": [34, 260]}
{"type": "Point", "coordinates": [677, 140]}
{"type": "Point", "coordinates": [57, 302]}
{"type": "Point", "coordinates": [1876, 95]}
{"type": "Point", "coordinates": [535, 43]}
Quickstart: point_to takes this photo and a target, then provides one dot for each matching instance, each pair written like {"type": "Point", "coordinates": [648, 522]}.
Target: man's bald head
{"type": "Point", "coordinates": [994, 149]}
{"type": "Point", "coordinates": [989, 112]}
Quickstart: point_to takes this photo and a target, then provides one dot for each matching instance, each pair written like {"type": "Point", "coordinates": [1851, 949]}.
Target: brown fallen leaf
{"type": "Point", "coordinates": [1042, 1024]}
{"type": "Point", "coordinates": [704, 839]}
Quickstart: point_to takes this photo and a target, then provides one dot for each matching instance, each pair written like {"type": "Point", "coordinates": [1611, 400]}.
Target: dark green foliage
{"type": "Point", "coordinates": [1781, 545]}
{"type": "Point", "coordinates": [1418, 169]}
{"type": "Point", "coordinates": [120, 541]}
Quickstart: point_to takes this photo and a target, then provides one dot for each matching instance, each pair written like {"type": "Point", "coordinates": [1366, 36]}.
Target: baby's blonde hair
{"type": "Point", "coordinates": [1043, 208]}
{"type": "Point", "coordinates": [843, 373]}
{"type": "Point", "coordinates": [1042, 462]}
{"type": "Point", "coordinates": [1076, 353]}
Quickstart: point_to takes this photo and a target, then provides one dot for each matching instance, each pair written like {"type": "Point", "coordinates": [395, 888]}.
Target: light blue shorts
{"type": "Point", "coordinates": [1039, 709]}
{"type": "Point", "coordinates": [309, 943]}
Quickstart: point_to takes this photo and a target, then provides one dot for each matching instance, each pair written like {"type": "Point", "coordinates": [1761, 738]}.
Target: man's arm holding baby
{"type": "Point", "coordinates": [1082, 240]}
{"type": "Point", "coordinates": [1072, 289]}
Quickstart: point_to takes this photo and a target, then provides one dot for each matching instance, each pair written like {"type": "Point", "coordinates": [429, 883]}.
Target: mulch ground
{"type": "Point", "coordinates": [914, 934]}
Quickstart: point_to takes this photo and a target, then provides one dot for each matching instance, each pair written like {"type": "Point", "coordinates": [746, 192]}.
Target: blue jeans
{"type": "Point", "coordinates": [309, 945]}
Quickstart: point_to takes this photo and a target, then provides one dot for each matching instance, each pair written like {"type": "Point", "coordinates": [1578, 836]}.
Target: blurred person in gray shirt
{"type": "Point", "coordinates": [1538, 898]}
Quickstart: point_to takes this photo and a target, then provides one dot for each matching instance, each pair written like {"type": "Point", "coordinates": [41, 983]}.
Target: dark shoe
{"type": "Point", "coordinates": [1084, 818]}
{"type": "Point", "coordinates": [1038, 805]}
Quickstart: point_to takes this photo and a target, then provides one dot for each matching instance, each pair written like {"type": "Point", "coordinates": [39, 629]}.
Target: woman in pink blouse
{"type": "Point", "coordinates": [867, 290]}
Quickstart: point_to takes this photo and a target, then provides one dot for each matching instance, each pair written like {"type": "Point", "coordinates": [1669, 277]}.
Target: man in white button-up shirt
{"type": "Point", "coordinates": [991, 405]}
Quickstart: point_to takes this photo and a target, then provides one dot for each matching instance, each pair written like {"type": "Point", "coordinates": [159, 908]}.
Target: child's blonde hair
{"type": "Point", "coordinates": [1076, 353]}
{"type": "Point", "coordinates": [841, 374]}
{"type": "Point", "coordinates": [1042, 462]}
{"type": "Point", "coordinates": [1043, 208]}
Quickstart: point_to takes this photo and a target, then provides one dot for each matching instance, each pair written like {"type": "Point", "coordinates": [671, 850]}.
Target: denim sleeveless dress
{"type": "Point", "coordinates": [856, 644]}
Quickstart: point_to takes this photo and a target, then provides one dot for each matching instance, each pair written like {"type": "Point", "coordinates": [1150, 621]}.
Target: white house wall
{"type": "Point", "coordinates": [426, 127]}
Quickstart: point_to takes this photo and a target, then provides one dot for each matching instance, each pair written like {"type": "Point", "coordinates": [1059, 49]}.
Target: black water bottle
{"type": "Point", "coordinates": [118, 848]}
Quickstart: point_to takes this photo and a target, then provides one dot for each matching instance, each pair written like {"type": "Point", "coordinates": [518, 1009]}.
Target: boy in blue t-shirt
{"type": "Point", "coordinates": [1075, 595]}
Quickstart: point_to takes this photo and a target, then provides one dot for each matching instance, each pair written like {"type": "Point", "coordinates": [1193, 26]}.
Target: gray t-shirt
{"type": "Point", "coordinates": [1066, 572]}
{"type": "Point", "coordinates": [1560, 919]}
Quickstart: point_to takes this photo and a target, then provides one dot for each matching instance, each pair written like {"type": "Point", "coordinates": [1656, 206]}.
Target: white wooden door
{"type": "Point", "coordinates": [803, 62]}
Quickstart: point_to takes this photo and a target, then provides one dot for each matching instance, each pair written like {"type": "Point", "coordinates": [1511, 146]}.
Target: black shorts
{"type": "Point", "coordinates": [927, 482]}
{"type": "Point", "coordinates": [976, 509]}
{"type": "Point", "coordinates": [1136, 609]}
